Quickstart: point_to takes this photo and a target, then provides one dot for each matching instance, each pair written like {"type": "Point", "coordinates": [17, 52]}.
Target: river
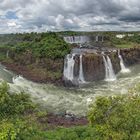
{"type": "Point", "coordinates": [70, 100]}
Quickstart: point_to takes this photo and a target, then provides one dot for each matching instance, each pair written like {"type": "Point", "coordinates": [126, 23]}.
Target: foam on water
{"type": "Point", "coordinates": [75, 101]}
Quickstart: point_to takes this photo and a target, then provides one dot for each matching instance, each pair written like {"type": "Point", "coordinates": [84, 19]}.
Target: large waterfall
{"type": "Point", "coordinates": [69, 67]}
{"type": "Point", "coordinates": [109, 72]}
{"type": "Point", "coordinates": [84, 66]}
{"type": "Point", "coordinates": [123, 67]}
{"type": "Point", "coordinates": [81, 74]}
{"type": "Point", "coordinates": [76, 39]}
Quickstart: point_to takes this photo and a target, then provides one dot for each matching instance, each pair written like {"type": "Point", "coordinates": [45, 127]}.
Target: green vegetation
{"type": "Point", "coordinates": [110, 118]}
{"type": "Point", "coordinates": [18, 116]}
{"type": "Point", "coordinates": [40, 54]}
{"type": "Point", "coordinates": [43, 45]}
{"type": "Point", "coordinates": [125, 45]}
{"type": "Point", "coordinates": [129, 40]}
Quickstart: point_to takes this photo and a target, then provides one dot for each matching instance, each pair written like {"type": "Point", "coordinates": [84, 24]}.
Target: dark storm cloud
{"type": "Point", "coordinates": [43, 15]}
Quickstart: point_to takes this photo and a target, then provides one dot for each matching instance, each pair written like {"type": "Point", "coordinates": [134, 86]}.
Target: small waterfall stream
{"type": "Point", "coordinates": [97, 38]}
{"type": "Point", "coordinates": [69, 67]}
{"type": "Point", "coordinates": [109, 72]}
{"type": "Point", "coordinates": [123, 67]}
{"type": "Point", "coordinates": [7, 54]}
{"type": "Point", "coordinates": [81, 74]}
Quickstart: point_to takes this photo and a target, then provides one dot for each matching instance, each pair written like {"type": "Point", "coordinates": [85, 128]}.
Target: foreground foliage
{"type": "Point", "coordinates": [110, 118]}
{"type": "Point", "coordinates": [13, 121]}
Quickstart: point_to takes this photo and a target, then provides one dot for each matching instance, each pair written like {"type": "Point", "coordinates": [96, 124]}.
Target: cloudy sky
{"type": "Point", "coordinates": [79, 15]}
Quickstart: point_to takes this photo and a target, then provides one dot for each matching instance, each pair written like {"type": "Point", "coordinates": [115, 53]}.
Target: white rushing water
{"type": "Point", "coordinates": [109, 72]}
{"type": "Point", "coordinates": [76, 100]}
{"type": "Point", "coordinates": [76, 39]}
{"type": "Point", "coordinates": [7, 54]}
{"type": "Point", "coordinates": [69, 67]}
{"type": "Point", "coordinates": [81, 74]}
{"type": "Point", "coordinates": [123, 67]}
{"type": "Point", "coordinates": [97, 38]}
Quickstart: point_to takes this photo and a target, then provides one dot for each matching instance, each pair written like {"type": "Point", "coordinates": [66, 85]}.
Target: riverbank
{"type": "Point", "coordinates": [67, 121]}
{"type": "Point", "coordinates": [34, 73]}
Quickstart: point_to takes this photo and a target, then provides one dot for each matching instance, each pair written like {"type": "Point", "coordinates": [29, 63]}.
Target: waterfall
{"type": "Point", "coordinates": [69, 67]}
{"type": "Point", "coordinates": [123, 67]}
{"type": "Point", "coordinates": [76, 39]}
{"type": "Point", "coordinates": [97, 38]}
{"type": "Point", "coordinates": [109, 72]}
{"type": "Point", "coordinates": [80, 45]}
{"type": "Point", "coordinates": [81, 74]}
{"type": "Point", "coordinates": [102, 39]}
{"type": "Point", "coordinates": [7, 54]}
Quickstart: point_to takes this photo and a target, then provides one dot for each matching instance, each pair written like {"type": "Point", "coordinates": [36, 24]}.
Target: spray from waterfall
{"type": "Point", "coordinates": [123, 67]}
{"type": "Point", "coordinates": [69, 67]}
{"type": "Point", "coordinates": [81, 74]}
{"type": "Point", "coordinates": [109, 72]}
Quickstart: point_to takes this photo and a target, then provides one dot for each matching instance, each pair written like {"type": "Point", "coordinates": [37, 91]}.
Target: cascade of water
{"type": "Point", "coordinates": [80, 45]}
{"type": "Point", "coordinates": [102, 39]}
{"type": "Point", "coordinates": [7, 54]}
{"type": "Point", "coordinates": [97, 38]}
{"type": "Point", "coordinates": [76, 39]}
{"type": "Point", "coordinates": [109, 72]}
{"type": "Point", "coordinates": [69, 67]}
{"type": "Point", "coordinates": [81, 74]}
{"type": "Point", "coordinates": [123, 67]}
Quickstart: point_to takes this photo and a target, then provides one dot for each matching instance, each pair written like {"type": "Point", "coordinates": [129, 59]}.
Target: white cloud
{"type": "Point", "coordinates": [11, 24]}
{"type": "Point", "coordinates": [43, 15]}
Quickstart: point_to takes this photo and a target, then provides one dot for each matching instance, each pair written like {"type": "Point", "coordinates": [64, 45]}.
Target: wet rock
{"type": "Point", "coordinates": [131, 56]}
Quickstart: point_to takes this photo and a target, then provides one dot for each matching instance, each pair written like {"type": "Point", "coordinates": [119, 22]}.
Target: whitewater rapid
{"type": "Point", "coordinates": [70, 100]}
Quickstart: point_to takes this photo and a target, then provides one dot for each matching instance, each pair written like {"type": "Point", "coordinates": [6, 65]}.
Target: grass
{"type": "Point", "coordinates": [125, 46]}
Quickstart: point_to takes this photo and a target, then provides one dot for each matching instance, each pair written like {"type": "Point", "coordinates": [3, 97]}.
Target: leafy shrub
{"type": "Point", "coordinates": [116, 118]}
{"type": "Point", "coordinates": [13, 104]}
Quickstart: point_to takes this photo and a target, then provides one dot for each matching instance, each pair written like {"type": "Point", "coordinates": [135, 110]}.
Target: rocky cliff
{"type": "Point", "coordinates": [94, 66]}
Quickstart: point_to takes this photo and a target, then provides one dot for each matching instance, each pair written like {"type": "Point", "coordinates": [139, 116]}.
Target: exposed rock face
{"type": "Point", "coordinates": [115, 61]}
{"type": "Point", "coordinates": [131, 56]}
{"type": "Point", "coordinates": [93, 65]}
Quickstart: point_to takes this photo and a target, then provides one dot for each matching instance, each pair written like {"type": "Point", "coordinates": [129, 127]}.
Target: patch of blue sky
{"type": "Point", "coordinates": [11, 15]}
